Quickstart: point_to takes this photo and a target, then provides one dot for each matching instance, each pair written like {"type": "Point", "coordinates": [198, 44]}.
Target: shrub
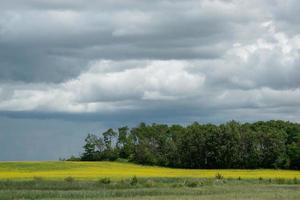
{"type": "Point", "coordinates": [191, 183]}
{"type": "Point", "coordinates": [73, 158]}
{"type": "Point", "coordinates": [176, 185]}
{"type": "Point", "coordinates": [295, 180]}
{"type": "Point", "coordinates": [133, 180]}
{"type": "Point", "coordinates": [69, 179]}
{"type": "Point", "coordinates": [105, 180]}
{"type": "Point", "coordinates": [219, 176]}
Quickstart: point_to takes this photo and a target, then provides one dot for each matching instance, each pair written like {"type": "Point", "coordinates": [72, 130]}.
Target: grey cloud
{"type": "Point", "coordinates": [57, 44]}
{"type": "Point", "coordinates": [74, 63]}
{"type": "Point", "coordinates": [286, 14]}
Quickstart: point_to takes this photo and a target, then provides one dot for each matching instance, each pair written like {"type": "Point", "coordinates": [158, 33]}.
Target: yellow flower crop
{"type": "Point", "coordinates": [58, 170]}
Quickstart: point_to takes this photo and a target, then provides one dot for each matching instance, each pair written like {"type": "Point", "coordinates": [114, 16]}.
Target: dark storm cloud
{"type": "Point", "coordinates": [55, 40]}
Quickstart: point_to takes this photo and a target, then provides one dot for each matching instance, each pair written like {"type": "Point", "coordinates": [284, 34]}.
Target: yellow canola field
{"type": "Point", "coordinates": [57, 170]}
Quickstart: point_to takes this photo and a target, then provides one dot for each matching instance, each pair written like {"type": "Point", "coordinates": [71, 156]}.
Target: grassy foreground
{"type": "Point", "coordinates": [151, 188]}
{"type": "Point", "coordinates": [114, 180]}
{"type": "Point", "coordinates": [58, 170]}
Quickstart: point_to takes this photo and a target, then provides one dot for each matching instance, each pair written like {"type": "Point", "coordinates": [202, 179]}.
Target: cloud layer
{"type": "Point", "coordinates": [158, 61]}
{"type": "Point", "coordinates": [248, 75]}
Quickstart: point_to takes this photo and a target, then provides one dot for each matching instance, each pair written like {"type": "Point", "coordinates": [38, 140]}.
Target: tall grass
{"type": "Point", "coordinates": [156, 188]}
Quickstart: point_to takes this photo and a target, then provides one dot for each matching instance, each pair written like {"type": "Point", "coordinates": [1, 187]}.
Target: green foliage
{"type": "Point", "coordinates": [295, 180]}
{"type": "Point", "coordinates": [271, 144]}
{"type": "Point", "coordinates": [37, 178]}
{"type": "Point", "coordinates": [90, 152]}
{"type": "Point", "coordinates": [105, 180]}
{"type": "Point", "coordinates": [191, 183]}
{"type": "Point", "coordinates": [134, 180]}
{"type": "Point", "coordinates": [73, 158]}
{"type": "Point", "coordinates": [219, 176]}
{"type": "Point", "coordinates": [69, 179]}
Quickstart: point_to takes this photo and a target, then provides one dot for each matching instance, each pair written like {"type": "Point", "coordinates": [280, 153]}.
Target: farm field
{"type": "Point", "coordinates": [58, 170]}
{"type": "Point", "coordinates": [116, 180]}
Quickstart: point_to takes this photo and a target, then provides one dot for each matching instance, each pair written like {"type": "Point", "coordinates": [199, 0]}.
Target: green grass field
{"type": "Point", "coordinates": [114, 180]}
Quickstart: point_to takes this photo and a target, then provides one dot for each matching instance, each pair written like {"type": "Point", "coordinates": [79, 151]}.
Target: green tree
{"type": "Point", "coordinates": [89, 148]}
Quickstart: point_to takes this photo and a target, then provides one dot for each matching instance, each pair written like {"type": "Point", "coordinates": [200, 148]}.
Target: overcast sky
{"type": "Point", "coordinates": [70, 67]}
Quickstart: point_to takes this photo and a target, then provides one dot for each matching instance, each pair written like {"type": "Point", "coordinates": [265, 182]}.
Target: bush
{"type": "Point", "coordinates": [191, 183]}
{"type": "Point", "coordinates": [133, 180]}
{"type": "Point", "coordinates": [73, 158]}
{"type": "Point", "coordinates": [105, 180]}
{"type": "Point", "coordinates": [270, 180]}
{"type": "Point", "coordinates": [69, 179]}
{"type": "Point", "coordinates": [295, 180]}
{"type": "Point", "coordinates": [219, 176]}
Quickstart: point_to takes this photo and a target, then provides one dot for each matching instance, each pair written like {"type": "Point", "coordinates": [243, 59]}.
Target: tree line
{"type": "Point", "coordinates": [270, 144]}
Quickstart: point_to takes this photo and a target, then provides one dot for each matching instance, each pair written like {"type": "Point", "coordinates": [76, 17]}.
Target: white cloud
{"type": "Point", "coordinates": [95, 90]}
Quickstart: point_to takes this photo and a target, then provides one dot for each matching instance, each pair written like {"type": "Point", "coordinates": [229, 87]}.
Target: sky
{"type": "Point", "coordinates": [73, 67]}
